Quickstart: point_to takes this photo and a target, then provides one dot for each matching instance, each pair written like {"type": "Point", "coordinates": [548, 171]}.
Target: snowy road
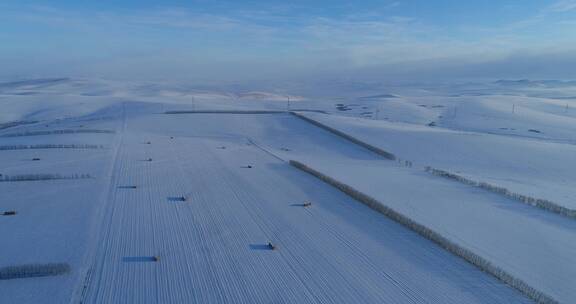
{"type": "Point", "coordinates": [211, 248]}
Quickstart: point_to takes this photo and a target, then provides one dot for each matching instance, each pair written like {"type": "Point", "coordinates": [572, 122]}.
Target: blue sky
{"type": "Point", "coordinates": [257, 39]}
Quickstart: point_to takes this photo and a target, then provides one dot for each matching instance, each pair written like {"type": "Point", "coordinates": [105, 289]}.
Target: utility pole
{"type": "Point", "coordinates": [288, 103]}
{"type": "Point", "coordinates": [377, 113]}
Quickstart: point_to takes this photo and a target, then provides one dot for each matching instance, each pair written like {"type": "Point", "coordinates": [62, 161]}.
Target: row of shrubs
{"type": "Point", "coordinates": [49, 132]}
{"type": "Point", "coordinates": [537, 202]}
{"type": "Point", "coordinates": [33, 270]}
{"type": "Point", "coordinates": [37, 177]}
{"type": "Point", "coordinates": [433, 236]}
{"type": "Point", "coordinates": [541, 203]}
{"type": "Point", "coordinates": [225, 112]}
{"type": "Point", "coordinates": [49, 146]}
{"type": "Point", "coordinates": [370, 147]}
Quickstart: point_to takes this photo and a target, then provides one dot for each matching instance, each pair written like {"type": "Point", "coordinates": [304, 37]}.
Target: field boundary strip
{"type": "Point", "coordinates": [543, 204]}
{"type": "Point", "coordinates": [379, 151]}
{"type": "Point", "coordinates": [450, 246]}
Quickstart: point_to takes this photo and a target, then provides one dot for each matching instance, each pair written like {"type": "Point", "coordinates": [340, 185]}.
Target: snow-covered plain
{"type": "Point", "coordinates": [129, 237]}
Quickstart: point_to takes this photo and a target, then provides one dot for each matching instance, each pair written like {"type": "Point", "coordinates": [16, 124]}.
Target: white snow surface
{"type": "Point", "coordinates": [539, 247]}
{"type": "Point", "coordinates": [211, 248]}
{"type": "Point", "coordinates": [537, 167]}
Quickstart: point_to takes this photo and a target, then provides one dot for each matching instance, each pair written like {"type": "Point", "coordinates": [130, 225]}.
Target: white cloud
{"type": "Point", "coordinates": [564, 6]}
{"type": "Point", "coordinates": [179, 39]}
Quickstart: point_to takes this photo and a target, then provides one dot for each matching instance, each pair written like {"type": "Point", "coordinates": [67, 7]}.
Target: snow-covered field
{"type": "Point", "coordinates": [147, 207]}
{"type": "Point", "coordinates": [536, 167]}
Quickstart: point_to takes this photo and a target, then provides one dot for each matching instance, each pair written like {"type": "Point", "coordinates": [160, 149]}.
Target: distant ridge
{"type": "Point", "coordinates": [535, 83]}
{"type": "Point", "coordinates": [33, 82]}
{"type": "Point", "coordinates": [380, 96]}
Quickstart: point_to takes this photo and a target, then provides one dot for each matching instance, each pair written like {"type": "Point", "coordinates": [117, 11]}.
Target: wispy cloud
{"type": "Point", "coordinates": [564, 6]}
{"type": "Point", "coordinates": [277, 38]}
